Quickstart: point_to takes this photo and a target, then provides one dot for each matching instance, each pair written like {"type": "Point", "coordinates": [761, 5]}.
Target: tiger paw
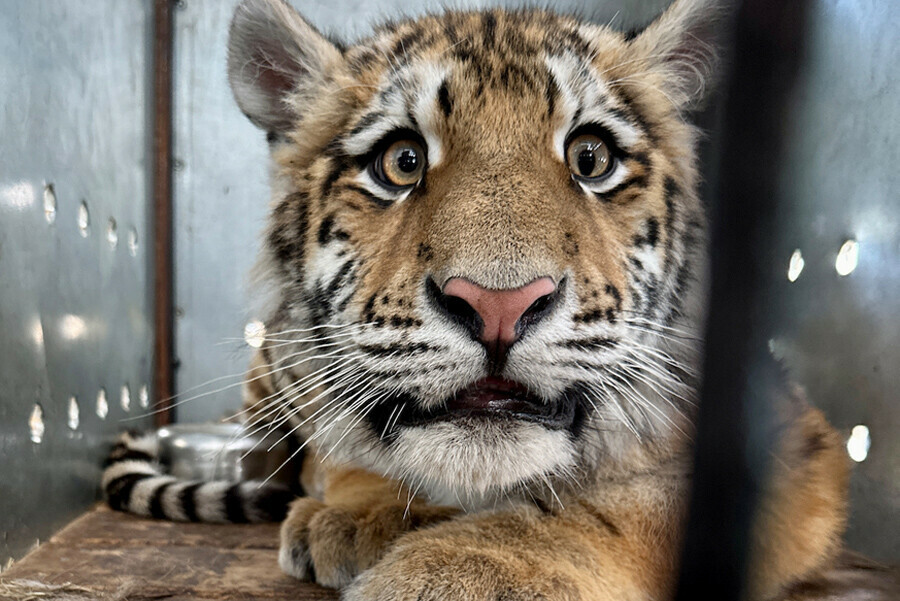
{"type": "Point", "coordinates": [435, 568]}
{"type": "Point", "coordinates": [330, 545]}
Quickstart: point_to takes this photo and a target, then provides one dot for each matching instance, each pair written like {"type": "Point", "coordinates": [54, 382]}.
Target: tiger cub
{"type": "Point", "coordinates": [485, 260]}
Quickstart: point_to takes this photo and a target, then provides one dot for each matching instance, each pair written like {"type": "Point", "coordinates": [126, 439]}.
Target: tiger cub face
{"type": "Point", "coordinates": [485, 242]}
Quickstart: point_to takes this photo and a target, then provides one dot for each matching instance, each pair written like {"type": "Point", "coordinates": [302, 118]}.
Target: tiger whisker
{"type": "Point", "coordinates": [288, 389]}
{"type": "Point", "coordinates": [336, 371]}
{"type": "Point", "coordinates": [291, 456]}
{"type": "Point", "coordinates": [242, 383]}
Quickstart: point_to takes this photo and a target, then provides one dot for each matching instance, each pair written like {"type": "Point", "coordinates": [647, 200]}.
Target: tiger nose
{"type": "Point", "coordinates": [503, 315]}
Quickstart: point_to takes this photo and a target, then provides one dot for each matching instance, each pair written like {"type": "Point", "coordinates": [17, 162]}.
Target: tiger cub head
{"type": "Point", "coordinates": [486, 245]}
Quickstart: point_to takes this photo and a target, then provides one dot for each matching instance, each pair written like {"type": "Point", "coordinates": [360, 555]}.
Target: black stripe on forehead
{"type": "Point", "coordinates": [367, 121]}
{"type": "Point", "coordinates": [560, 39]}
{"type": "Point", "coordinates": [626, 115]}
{"type": "Point", "coordinates": [444, 99]}
{"type": "Point", "coordinates": [631, 112]}
{"type": "Point", "coordinates": [363, 59]}
{"type": "Point", "coordinates": [393, 89]}
{"type": "Point", "coordinates": [489, 28]}
{"type": "Point", "coordinates": [499, 70]}
{"type": "Point", "coordinates": [551, 94]}
{"type": "Point", "coordinates": [407, 43]}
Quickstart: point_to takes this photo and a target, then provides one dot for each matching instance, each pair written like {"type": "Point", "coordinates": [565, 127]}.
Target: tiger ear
{"type": "Point", "coordinates": [272, 53]}
{"type": "Point", "coordinates": [682, 43]}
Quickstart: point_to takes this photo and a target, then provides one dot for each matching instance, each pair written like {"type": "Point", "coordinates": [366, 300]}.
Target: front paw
{"type": "Point", "coordinates": [425, 568]}
{"type": "Point", "coordinates": [330, 545]}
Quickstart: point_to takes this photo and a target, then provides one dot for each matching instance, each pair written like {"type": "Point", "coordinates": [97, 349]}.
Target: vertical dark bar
{"type": "Point", "coordinates": [163, 350]}
{"type": "Point", "coordinates": [740, 378]}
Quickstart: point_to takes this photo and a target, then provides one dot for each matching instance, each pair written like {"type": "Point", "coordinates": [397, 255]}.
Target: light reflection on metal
{"type": "Point", "coordinates": [125, 398]}
{"type": "Point", "coordinates": [255, 333]}
{"type": "Point", "coordinates": [37, 332]}
{"type": "Point", "coordinates": [132, 241]}
{"type": "Point", "coordinates": [112, 234]}
{"type": "Point", "coordinates": [848, 258]}
{"type": "Point", "coordinates": [795, 266]}
{"type": "Point", "coordinates": [72, 327]}
{"type": "Point", "coordinates": [859, 443]}
{"type": "Point", "coordinates": [49, 203]}
{"type": "Point", "coordinates": [144, 397]}
{"type": "Point", "coordinates": [18, 196]}
{"type": "Point", "coordinates": [74, 413]}
{"type": "Point", "coordinates": [84, 219]}
{"type": "Point", "coordinates": [102, 404]}
{"type": "Point", "coordinates": [36, 424]}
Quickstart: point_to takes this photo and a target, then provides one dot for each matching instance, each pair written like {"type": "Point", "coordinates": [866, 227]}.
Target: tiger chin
{"type": "Point", "coordinates": [485, 268]}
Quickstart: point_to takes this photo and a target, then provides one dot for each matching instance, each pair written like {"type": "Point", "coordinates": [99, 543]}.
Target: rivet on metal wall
{"type": "Point", "coordinates": [49, 203]}
{"type": "Point", "coordinates": [795, 266]}
{"type": "Point", "coordinates": [84, 219]}
{"type": "Point", "coordinates": [102, 404]}
{"type": "Point", "coordinates": [144, 397]}
{"type": "Point", "coordinates": [36, 423]}
{"type": "Point", "coordinates": [132, 241]}
{"type": "Point", "coordinates": [112, 233]}
{"type": "Point", "coordinates": [255, 333]}
{"type": "Point", "coordinates": [125, 397]}
{"type": "Point", "coordinates": [847, 258]}
{"type": "Point", "coordinates": [74, 413]}
{"type": "Point", "coordinates": [859, 443]}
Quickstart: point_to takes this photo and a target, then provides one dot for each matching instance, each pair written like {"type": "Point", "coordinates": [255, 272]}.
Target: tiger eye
{"type": "Point", "coordinates": [403, 163]}
{"type": "Point", "coordinates": [588, 156]}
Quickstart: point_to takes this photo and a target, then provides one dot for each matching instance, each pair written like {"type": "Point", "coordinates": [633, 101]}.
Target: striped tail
{"type": "Point", "coordinates": [134, 482]}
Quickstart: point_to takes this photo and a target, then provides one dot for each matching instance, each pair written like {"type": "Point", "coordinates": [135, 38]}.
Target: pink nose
{"type": "Point", "coordinates": [499, 310]}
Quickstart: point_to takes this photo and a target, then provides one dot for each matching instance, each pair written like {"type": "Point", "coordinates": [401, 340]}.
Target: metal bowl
{"type": "Point", "coordinates": [224, 451]}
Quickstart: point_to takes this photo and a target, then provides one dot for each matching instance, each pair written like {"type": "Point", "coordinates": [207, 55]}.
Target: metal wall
{"type": "Point", "coordinates": [75, 336]}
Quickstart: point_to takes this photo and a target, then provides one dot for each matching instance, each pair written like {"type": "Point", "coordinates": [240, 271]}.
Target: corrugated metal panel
{"type": "Point", "coordinates": [73, 281]}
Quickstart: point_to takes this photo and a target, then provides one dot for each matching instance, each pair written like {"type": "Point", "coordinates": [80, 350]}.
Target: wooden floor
{"type": "Point", "coordinates": [105, 551]}
{"type": "Point", "coordinates": [110, 556]}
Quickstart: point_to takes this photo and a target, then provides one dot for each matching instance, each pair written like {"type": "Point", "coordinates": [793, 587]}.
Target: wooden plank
{"type": "Point", "coordinates": [104, 550]}
{"type": "Point", "coordinates": [103, 527]}
{"type": "Point", "coordinates": [205, 572]}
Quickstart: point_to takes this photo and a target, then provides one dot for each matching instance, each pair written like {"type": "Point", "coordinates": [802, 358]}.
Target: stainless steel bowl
{"type": "Point", "coordinates": [224, 451]}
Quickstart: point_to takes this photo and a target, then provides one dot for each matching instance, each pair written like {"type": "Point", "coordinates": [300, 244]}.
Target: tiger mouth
{"type": "Point", "coordinates": [495, 399]}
